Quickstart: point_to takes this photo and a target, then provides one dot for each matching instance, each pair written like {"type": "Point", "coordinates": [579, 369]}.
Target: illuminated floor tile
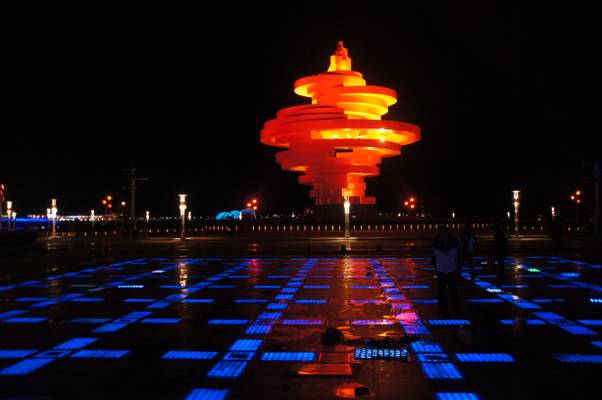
{"type": "Point", "coordinates": [432, 357]}
{"type": "Point", "coordinates": [100, 354]}
{"type": "Point", "coordinates": [26, 366]}
{"type": "Point", "coordinates": [597, 343]}
{"type": "Point", "coordinates": [246, 345]}
{"type": "Point", "coordinates": [109, 328]}
{"type": "Point", "coordinates": [270, 315]}
{"type": "Point", "coordinates": [484, 357]}
{"type": "Point", "coordinates": [302, 322]}
{"type": "Point", "coordinates": [227, 369]}
{"type": "Point", "coordinates": [259, 329]}
{"type": "Point", "coordinates": [440, 371]}
{"type": "Point", "coordinates": [228, 321]}
{"type": "Point", "coordinates": [24, 320]}
{"type": "Point", "coordinates": [448, 322]}
{"type": "Point", "coordinates": [457, 396]}
{"type": "Point", "coordinates": [530, 321]}
{"type": "Point", "coordinates": [277, 306]}
{"type": "Point", "coordinates": [366, 353]}
{"type": "Point", "coordinates": [258, 301]}
{"type": "Point", "coordinates": [89, 320]}
{"type": "Point", "coordinates": [208, 394]}
{"type": "Point", "coordinates": [579, 358]}
{"type": "Point", "coordinates": [16, 353]}
{"type": "Point", "coordinates": [239, 355]}
{"type": "Point", "coordinates": [591, 322]}
{"type": "Point", "coordinates": [372, 322]}
{"type": "Point", "coordinates": [55, 353]}
{"type": "Point", "coordinates": [288, 356]}
{"type": "Point", "coordinates": [189, 355]}
{"type": "Point", "coordinates": [75, 343]}
{"type": "Point", "coordinates": [311, 301]}
{"type": "Point", "coordinates": [139, 300]}
{"type": "Point", "coordinates": [160, 321]}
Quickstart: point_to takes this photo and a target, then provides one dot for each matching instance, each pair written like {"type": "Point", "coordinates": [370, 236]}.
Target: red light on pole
{"type": "Point", "coordinates": [405, 203]}
{"type": "Point", "coordinates": [254, 201]}
{"type": "Point", "coordinates": [412, 199]}
{"type": "Point", "coordinates": [412, 206]}
{"type": "Point", "coordinates": [248, 205]}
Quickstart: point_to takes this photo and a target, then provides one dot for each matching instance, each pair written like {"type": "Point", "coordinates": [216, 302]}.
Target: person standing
{"type": "Point", "coordinates": [499, 250]}
{"type": "Point", "coordinates": [468, 241]}
{"type": "Point", "coordinates": [446, 259]}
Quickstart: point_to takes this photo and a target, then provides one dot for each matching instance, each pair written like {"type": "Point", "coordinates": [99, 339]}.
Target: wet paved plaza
{"type": "Point", "coordinates": [211, 328]}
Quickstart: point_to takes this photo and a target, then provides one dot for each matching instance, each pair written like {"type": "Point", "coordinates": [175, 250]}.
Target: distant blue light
{"type": "Point", "coordinates": [227, 321]}
{"type": "Point", "coordinates": [88, 300]}
{"type": "Point", "coordinates": [440, 371]}
{"type": "Point", "coordinates": [208, 394]}
{"type": "Point", "coordinates": [277, 306]}
{"type": "Point", "coordinates": [267, 286]}
{"type": "Point", "coordinates": [227, 369]}
{"type": "Point", "coordinates": [578, 330]}
{"type": "Point", "coordinates": [284, 297]}
{"type": "Point", "coordinates": [259, 329]}
{"type": "Point", "coordinates": [579, 358]}
{"type": "Point", "coordinates": [484, 357]}
{"type": "Point", "coordinates": [415, 287]}
{"type": "Point", "coordinates": [425, 301]}
{"type": "Point", "coordinates": [54, 353]}
{"type": "Point", "coordinates": [530, 321]}
{"type": "Point", "coordinates": [269, 315]}
{"type": "Point", "coordinates": [130, 286]}
{"type": "Point", "coordinates": [89, 320]}
{"type": "Point", "coordinates": [432, 357]}
{"type": "Point", "coordinates": [311, 301]}
{"type": "Point", "coordinates": [160, 321]}
{"type": "Point", "coordinates": [138, 300]}
{"type": "Point", "coordinates": [485, 300]}
{"type": "Point", "coordinates": [302, 322]}
{"type": "Point", "coordinates": [189, 355]}
{"type": "Point", "coordinates": [597, 301]}
{"type": "Point", "coordinates": [26, 366]}
{"type": "Point", "coordinates": [364, 353]}
{"type": "Point", "coordinates": [422, 346]}
{"type": "Point", "coordinates": [100, 354]}
{"type": "Point", "coordinates": [246, 345]}
{"type": "Point", "coordinates": [288, 356]}
{"type": "Point", "coordinates": [221, 287]}
{"type": "Point", "coordinates": [27, 299]}
{"type": "Point", "coordinates": [372, 322]}
{"type": "Point", "coordinates": [415, 329]}
{"type": "Point", "coordinates": [252, 301]}
{"type": "Point", "coordinates": [597, 343]}
{"type": "Point", "coordinates": [316, 287]}
{"type": "Point", "coordinates": [75, 343]}
{"type": "Point", "coordinates": [448, 322]}
{"type": "Point", "coordinates": [363, 287]}
{"type": "Point", "coordinates": [16, 353]}
{"type": "Point", "coordinates": [24, 320]}
{"type": "Point", "coordinates": [457, 396]}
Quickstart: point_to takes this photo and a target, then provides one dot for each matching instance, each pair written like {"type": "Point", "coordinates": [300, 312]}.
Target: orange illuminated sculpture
{"type": "Point", "coordinates": [339, 139]}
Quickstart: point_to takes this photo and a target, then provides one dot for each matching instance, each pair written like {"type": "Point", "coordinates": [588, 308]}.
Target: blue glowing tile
{"type": "Point", "coordinates": [440, 371]}
{"type": "Point", "coordinates": [227, 369]}
{"type": "Point", "coordinates": [100, 354]}
{"type": "Point", "coordinates": [577, 330]}
{"type": "Point", "coordinates": [16, 353]}
{"type": "Point", "coordinates": [484, 357]}
{"type": "Point", "coordinates": [311, 301]}
{"type": "Point", "coordinates": [514, 286]}
{"type": "Point", "coordinates": [366, 353]}
{"type": "Point", "coordinates": [259, 329]}
{"type": "Point", "coordinates": [544, 301]}
{"type": "Point", "coordinates": [138, 314]}
{"type": "Point", "coordinates": [269, 315]}
{"type": "Point", "coordinates": [289, 290]}
{"type": "Point", "coordinates": [189, 355]}
{"type": "Point", "coordinates": [597, 343]}
{"type": "Point", "coordinates": [294, 284]}
{"type": "Point", "coordinates": [139, 300]}
{"type": "Point", "coordinates": [25, 320]}
{"type": "Point", "coordinates": [284, 297]}
{"type": "Point", "coordinates": [363, 287]}
{"type": "Point", "coordinates": [228, 321]}
{"type": "Point", "coordinates": [579, 358]}
{"type": "Point", "coordinates": [278, 276]}
{"type": "Point", "coordinates": [208, 394]}
{"type": "Point", "coordinates": [396, 297]}
{"type": "Point", "coordinates": [28, 299]}
{"type": "Point", "coordinates": [75, 343]}
{"type": "Point", "coordinates": [596, 301]}
{"type": "Point", "coordinates": [267, 286]}
{"type": "Point", "coordinates": [246, 345]}
{"type": "Point", "coordinates": [130, 286]}
{"type": "Point", "coordinates": [303, 322]}
{"type": "Point", "coordinates": [415, 287]}
{"type": "Point", "coordinates": [448, 322]}
{"type": "Point", "coordinates": [26, 366]}
{"type": "Point", "coordinates": [88, 300]}
{"type": "Point", "coordinates": [415, 329]}
{"type": "Point", "coordinates": [565, 286]}
{"type": "Point", "coordinates": [316, 287]}
{"type": "Point", "coordinates": [239, 277]}
{"type": "Point", "coordinates": [530, 321]}
{"type": "Point", "coordinates": [160, 321]}
{"type": "Point", "coordinates": [423, 346]}
{"type": "Point", "coordinates": [239, 355]}
{"type": "Point", "coordinates": [425, 301]}
{"type": "Point", "coordinates": [570, 274]}
{"type": "Point", "coordinates": [7, 287]}
{"type": "Point", "coordinates": [288, 356]}
{"type": "Point", "coordinates": [591, 322]}
{"type": "Point", "coordinates": [251, 301]}
{"type": "Point", "coordinates": [172, 287]}
{"type": "Point", "coordinates": [457, 396]}
{"type": "Point", "coordinates": [372, 322]}
{"type": "Point", "coordinates": [432, 357]}
{"type": "Point", "coordinates": [277, 306]}
{"type": "Point", "coordinates": [198, 300]}
{"type": "Point", "coordinates": [89, 320]}
{"type": "Point", "coordinates": [221, 287]}
{"type": "Point", "coordinates": [109, 328]}
{"type": "Point", "coordinates": [54, 353]}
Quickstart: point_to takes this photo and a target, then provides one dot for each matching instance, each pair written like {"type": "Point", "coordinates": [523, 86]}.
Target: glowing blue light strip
{"type": "Point", "coordinates": [189, 355]}
{"type": "Point", "coordinates": [372, 322]}
{"type": "Point", "coordinates": [228, 321]}
{"type": "Point", "coordinates": [423, 346]}
{"type": "Point", "coordinates": [530, 321]}
{"type": "Point", "coordinates": [579, 358]}
{"type": "Point", "coordinates": [484, 357]}
{"type": "Point", "coordinates": [269, 315]}
{"type": "Point", "coordinates": [288, 356]}
{"type": "Point", "coordinates": [26, 366]}
{"type": "Point", "coordinates": [277, 306]}
{"type": "Point", "coordinates": [160, 321]}
{"type": "Point", "coordinates": [258, 301]}
{"type": "Point", "coordinates": [208, 394]}
{"type": "Point", "coordinates": [365, 353]}
{"type": "Point", "coordinates": [75, 343]}
{"type": "Point", "coordinates": [16, 353]}
{"type": "Point", "coordinates": [100, 354]}
{"type": "Point", "coordinates": [24, 320]}
{"type": "Point", "coordinates": [246, 345]}
{"type": "Point", "coordinates": [89, 320]}
{"type": "Point", "coordinates": [432, 357]}
{"type": "Point", "coordinates": [597, 343]}
{"type": "Point", "coordinates": [448, 322]}
{"type": "Point", "coordinates": [457, 396]}
{"type": "Point", "coordinates": [259, 329]}
{"type": "Point", "coordinates": [138, 300]}
{"type": "Point", "coordinates": [198, 300]}
{"type": "Point", "coordinates": [440, 371]}
{"type": "Point", "coordinates": [302, 322]}
{"type": "Point", "coordinates": [311, 301]}
{"type": "Point", "coordinates": [227, 369]}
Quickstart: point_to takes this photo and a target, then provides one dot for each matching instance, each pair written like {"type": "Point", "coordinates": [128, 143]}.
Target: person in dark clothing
{"type": "Point", "coordinates": [499, 250]}
{"type": "Point", "coordinates": [468, 241]}
{"type": "Point", "coordinates": [446, 259]}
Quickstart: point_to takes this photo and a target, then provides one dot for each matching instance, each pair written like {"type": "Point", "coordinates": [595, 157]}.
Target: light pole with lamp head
{"type": "Point", "coordinates": [183, 216]}
{"type": "Point", "coordinates": [516, 203]}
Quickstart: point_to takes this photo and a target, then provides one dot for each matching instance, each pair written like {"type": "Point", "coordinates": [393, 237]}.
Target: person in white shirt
{"type": "Point", "coordinates": [447, 253]}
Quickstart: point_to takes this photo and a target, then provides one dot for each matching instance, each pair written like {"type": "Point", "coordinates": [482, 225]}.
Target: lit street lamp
{"type": "Point", "coordinates": [9, 210]}
{"type": "Point", "coordinates": [183, 215]}
{"type": "Point", "coordinates": [346, 207]}
{"type": "Point", "coordinates": [53, 211]}
{"type": "Point", "coordinates": [92, 218]}
{"type": "Point", "coordinates": [516, 203]}
{"type": "Point", "coordinates": [147, 216]}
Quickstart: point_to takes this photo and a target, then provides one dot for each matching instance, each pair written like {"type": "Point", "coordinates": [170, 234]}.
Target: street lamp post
{"type": "Point", "coordinates": [53, 211]}
{"type": "Point", "coordinates": [92, 218]}
{"type": "Point", "coordinates": [183, 216]}
{"type": "Point", "coordinates": [516, 203]}
{"type": "Point", "coordinates": [9, 211]}
{"type": "Point", "coordinates": [347, 207]}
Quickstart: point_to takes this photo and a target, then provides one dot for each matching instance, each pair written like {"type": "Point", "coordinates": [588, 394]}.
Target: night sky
{"type": "Point", "coordinates": [506, 97]}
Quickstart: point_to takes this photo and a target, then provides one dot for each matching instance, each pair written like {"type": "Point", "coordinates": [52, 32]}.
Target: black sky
{"type": "Point", "coordinates": [505, 96]}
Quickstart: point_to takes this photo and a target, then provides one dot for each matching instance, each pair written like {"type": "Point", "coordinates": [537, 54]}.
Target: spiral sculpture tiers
{"type": "Point", "coordinates": [339, 139]}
